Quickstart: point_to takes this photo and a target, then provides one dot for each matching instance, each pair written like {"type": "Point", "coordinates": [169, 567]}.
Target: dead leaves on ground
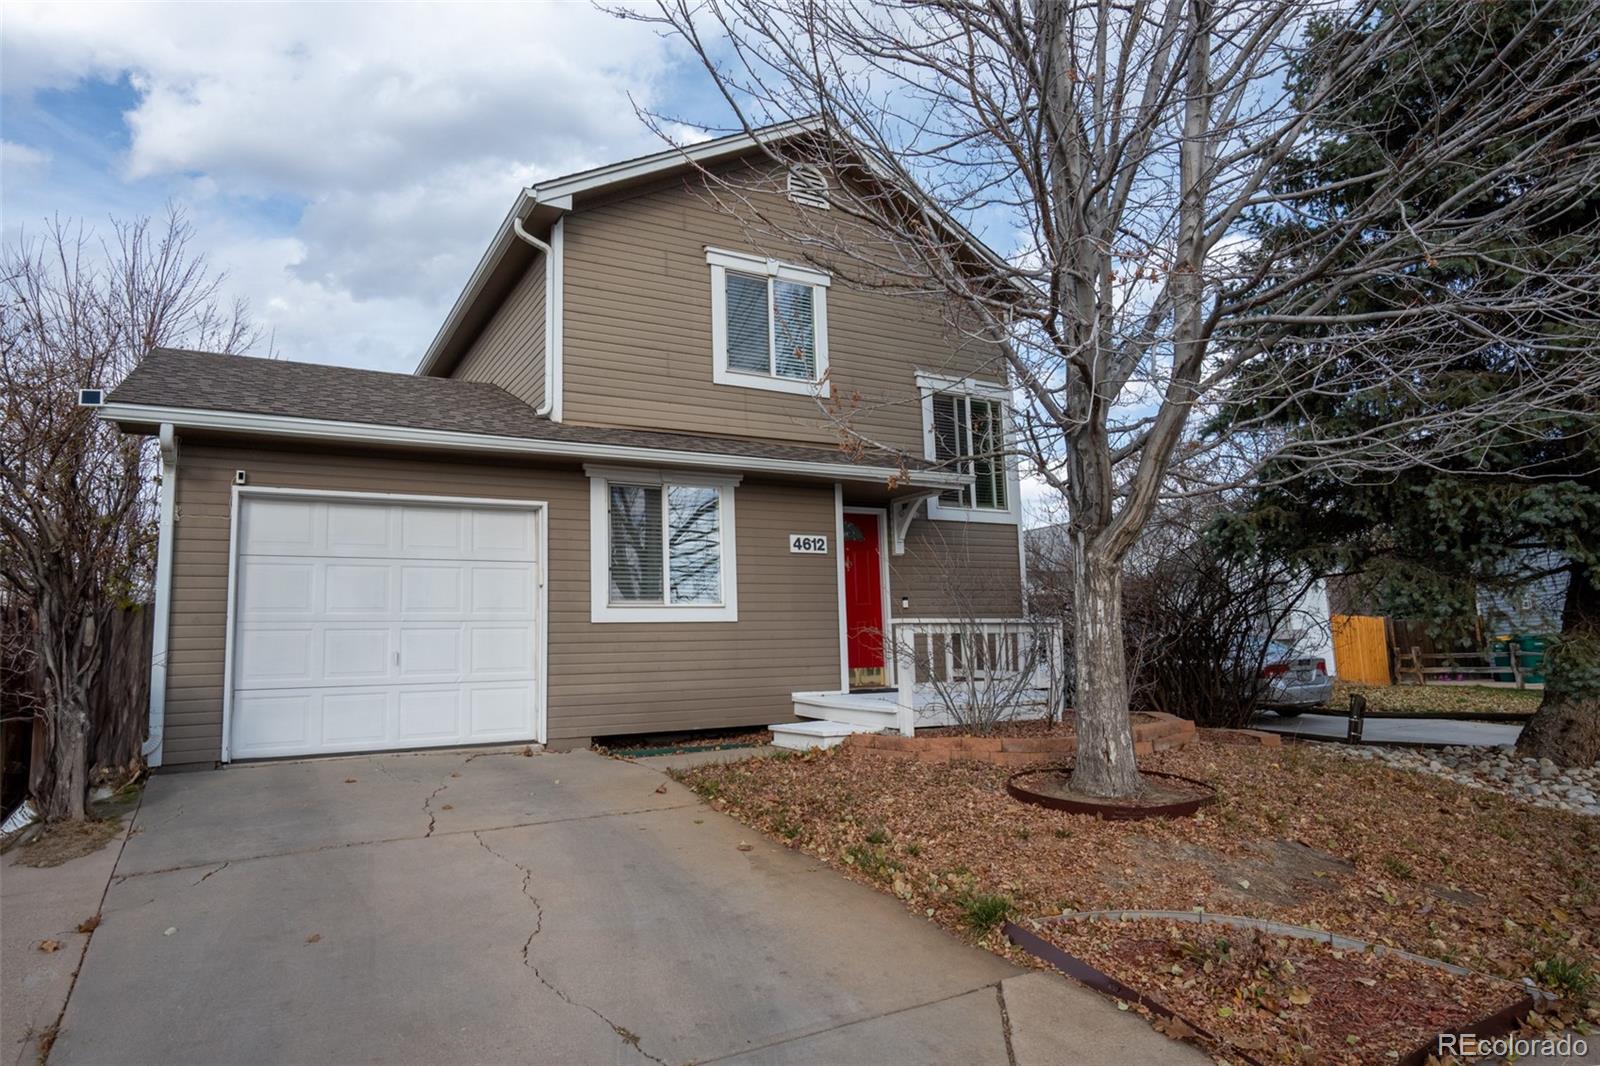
{"type": "Point", "coordinates": [1299, 836]}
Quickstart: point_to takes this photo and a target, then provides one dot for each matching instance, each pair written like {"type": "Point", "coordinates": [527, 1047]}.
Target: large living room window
{"type": "Point", "coordinates": [769, 323]}
{"type": "Point", "coordinates": [661, 546]}
{"type": "Point", "coordinates": [964, 428]}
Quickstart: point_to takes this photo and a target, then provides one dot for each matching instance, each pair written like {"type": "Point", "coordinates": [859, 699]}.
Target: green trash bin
{"type": "Point", "coordinates": [1530, 656]}
{"type": "Point", "coordinates": [1500, 659]}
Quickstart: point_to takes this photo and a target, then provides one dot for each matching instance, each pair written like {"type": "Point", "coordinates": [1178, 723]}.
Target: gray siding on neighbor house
{"type": "Point", "coordinates": [637, 328]}
{"type": "Point", "coordinates": [603, 678]}
{"type": "Point", "coordinates": [510, 350]}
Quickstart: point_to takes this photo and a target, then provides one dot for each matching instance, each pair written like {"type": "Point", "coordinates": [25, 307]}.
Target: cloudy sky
{"type": "Point", "coordinates": [344, 163]}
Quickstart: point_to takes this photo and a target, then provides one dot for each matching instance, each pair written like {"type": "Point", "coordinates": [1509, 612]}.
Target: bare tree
{"type": "Point", "coordinates": [76, 513]}
{"type": "Point", "coordinates": [1131, 145]}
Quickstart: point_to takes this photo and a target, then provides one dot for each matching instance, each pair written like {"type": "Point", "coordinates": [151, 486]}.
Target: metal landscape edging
{"type": "Point", "coordinates": [1104, 983]}
{"type": "Point", "coordinates": [1501, 1022]}
{"type": "Point", "coordinates": [1111, 812]}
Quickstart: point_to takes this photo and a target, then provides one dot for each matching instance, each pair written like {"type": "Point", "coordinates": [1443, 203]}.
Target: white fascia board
{"type": "Point", "coordinates": [645, 166]}
{"type": "Point", "coordinates": [450, 440]}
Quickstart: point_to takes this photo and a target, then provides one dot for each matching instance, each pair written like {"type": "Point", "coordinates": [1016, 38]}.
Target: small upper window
{"type": "Point", "coordinates": [769, 327]}
{"type": "Point", "coordinates": [969, 436]}
{"type": "Point", "coordinates": [965, 430]}
{"type": "Point", "coordinates": [808, 186]}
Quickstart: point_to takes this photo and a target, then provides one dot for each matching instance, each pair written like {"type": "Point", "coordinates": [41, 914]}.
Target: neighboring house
{"type": "Point", "coordinates": [608, 502]}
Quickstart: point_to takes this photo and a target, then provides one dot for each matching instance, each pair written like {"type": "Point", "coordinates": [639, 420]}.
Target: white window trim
{"type": "Point", "coordinates": [721, 261]}
{"type": "Point", "coordinates": [601, 609]}
{"type": "Point", "coordinates": [927, 386]}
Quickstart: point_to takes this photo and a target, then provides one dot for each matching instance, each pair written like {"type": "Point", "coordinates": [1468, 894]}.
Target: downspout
{"type": "Point", "coordinates": [552, 316]}
{"type": "Point", "coordinates": [163, 605]}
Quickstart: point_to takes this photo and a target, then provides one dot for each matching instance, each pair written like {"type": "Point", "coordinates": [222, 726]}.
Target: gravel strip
{"type": "Point", "coordinates": [1539, 782]}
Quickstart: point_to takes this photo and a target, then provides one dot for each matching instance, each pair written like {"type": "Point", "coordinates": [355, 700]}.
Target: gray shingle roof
{"type": "Point", "coordinates": [174, 377]}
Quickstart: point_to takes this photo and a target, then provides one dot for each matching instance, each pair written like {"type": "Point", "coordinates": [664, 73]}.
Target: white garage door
{"type": "Point", "coordinates": [360, 626]}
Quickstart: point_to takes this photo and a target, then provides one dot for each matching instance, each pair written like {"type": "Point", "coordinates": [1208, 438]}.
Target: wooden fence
{"type": "Point", "coordinates": [1469, 668]}
{"type": "Point", "coordinates": [118, 704]}
{"type": "Point", "coordinates": [1361, 649]}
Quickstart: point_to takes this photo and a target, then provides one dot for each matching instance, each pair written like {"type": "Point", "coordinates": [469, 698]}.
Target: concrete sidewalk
{"type": "Point", "coordinates": [1434, 732]}
{"type": "Point", "coordinates": [459, 907]}
{"type": "Point", "coordinates": [44, 904]}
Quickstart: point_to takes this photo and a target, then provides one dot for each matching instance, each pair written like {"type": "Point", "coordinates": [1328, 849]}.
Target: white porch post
{"type": "Point", "coordinates": [905, 650]}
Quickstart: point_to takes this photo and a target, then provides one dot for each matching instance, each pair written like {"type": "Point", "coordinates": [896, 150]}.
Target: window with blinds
{"type": "Point", "coordinates": [969, 436]}
{"type": "Point", "coordinates": [665, 544]}
{"type": "Point", "coordinates": [769, 326]}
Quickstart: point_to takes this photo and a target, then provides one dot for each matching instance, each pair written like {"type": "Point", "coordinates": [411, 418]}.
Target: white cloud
{"type": "Point", "coordinates": [18, 162]}
{"type": "Point", "coordinates": [349, 160]}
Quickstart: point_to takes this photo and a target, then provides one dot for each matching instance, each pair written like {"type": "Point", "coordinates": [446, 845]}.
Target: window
{"type": "Point", "coordinates": [661, 546]}
{"type": "Point", "coordinates": [769, 323]}
{"type": "Point", "coordinates": [965, 430]}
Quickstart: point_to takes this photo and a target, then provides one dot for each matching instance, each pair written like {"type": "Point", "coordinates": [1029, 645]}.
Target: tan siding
{"type": "Point", "coordinates": [510, 350]}
{"type": "Point", "coordinates": [637, 329]}
{"type": "Point", "coordinates": [958, 569]}
{"type": "Point", "coordinates": [608, 678]}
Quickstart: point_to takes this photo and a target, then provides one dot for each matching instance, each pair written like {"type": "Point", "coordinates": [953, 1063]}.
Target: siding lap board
{"type": "Point", "coordinates": [603, 679]}
{"type": "Point", "coordinates": [509, 352]}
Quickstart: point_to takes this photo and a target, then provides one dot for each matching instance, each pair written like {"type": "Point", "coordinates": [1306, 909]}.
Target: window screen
{"type": "Point", "coordinates": [794, 331]}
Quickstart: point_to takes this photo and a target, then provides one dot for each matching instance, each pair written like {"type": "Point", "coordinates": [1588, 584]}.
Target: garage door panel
{"type": "Point", "coordinates": [363, 626]}
{"type": "Point", "coordinates": [501, 590]}
{"type": "Point", "coordinates": [433, 533]}
{"type": "Point", "coordinates": [357, 588]}
{"type": "Point", "coordinates": [268, 724]}
{"type": "Point", "coordinates": [501, 535]}
{"type": "Point", "coordinates": [359, 529]}
{"type": "Point", "coordinates": [430, 653]}
{"type": "Point", "coordinates": [436, 590]}
{"type": "Point", "coordinates": [500, 711]}
{"type": "Point", "coordinates": [356, 718]}
{"type": "Point", "coordinates": [280, 527]}
{"type": "Point", "coordinates": [356, 655]}
{"type": "Point", "coordinates": [276, 656]}
{"type": "Point", "coordinates": [282, 589]}
{"type": "Point", "coordinates": [499, 650]}
{"type": "Point", "coordinates": [430, 714]}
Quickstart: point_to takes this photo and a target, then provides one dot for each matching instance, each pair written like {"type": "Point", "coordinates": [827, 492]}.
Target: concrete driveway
{"type": "Point", "coordinates": [459, 907]}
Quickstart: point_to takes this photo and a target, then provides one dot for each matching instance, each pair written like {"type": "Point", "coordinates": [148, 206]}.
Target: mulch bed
{"type": "Point", "coordinates": [1296, 836]}
{"type": "Point", "coordinates": [1280, 999]}
{"type": "Point", "coordinates": [1160, 790]}
{"type": "Point", "coordinates": [696, 741]}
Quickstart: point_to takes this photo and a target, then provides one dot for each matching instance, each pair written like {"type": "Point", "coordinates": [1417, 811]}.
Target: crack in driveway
{"type": "Point", "coordinates": [209, 873]}
{"type": "Point", "coordinates": [626, 1035]}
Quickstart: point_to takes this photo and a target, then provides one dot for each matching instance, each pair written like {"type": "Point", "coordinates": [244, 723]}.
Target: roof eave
{"type": "Point", "coordinates": [145, 417]}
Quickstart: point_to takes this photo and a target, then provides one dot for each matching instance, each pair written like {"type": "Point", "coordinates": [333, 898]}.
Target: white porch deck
{"type": "Point", "coordinates": [934, 661]}
{"type": "Point", "coordinates": [832, 716]}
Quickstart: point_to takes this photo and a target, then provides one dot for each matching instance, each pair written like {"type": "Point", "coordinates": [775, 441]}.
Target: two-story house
{"type": "Point", "coordinates": [608, 501]}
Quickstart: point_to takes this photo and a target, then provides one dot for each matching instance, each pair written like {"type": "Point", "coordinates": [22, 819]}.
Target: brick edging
{"type": "Point", "coordinates": [1152, 731]}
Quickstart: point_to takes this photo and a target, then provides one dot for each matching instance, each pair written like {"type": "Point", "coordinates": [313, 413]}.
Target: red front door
{"type": "Point", "coordinates": [863, 599]}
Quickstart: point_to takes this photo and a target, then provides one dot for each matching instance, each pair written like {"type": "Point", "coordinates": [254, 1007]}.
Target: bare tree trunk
{"type": "Point", "coordinates": [1566, 728]}
{"type": "Point", "coordinates": [68, 790]}
{"type": "Point", "coordinates": [1105, 763]}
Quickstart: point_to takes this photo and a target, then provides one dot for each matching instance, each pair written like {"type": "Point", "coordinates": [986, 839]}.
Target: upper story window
{"type": "Point", "coordinates": [964, 429]}
{"type": "Point", "coordinates": [661, 546]}
{"type": "Point", "coordinates": [769, 323]}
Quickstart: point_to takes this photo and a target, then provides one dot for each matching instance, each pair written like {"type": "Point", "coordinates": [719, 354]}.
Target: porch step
{"type": "Point", "coordinates": [815, 734]}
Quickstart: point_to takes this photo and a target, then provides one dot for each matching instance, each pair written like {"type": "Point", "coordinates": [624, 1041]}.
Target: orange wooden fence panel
{"type": "Point", "coordinates": [1360, 649]}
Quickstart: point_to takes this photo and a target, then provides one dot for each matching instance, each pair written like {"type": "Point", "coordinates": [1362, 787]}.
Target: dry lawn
{"type": "Point", "coordinates": [1437, 699]}
{"type": "Point", "coordinates": [1298, 836]}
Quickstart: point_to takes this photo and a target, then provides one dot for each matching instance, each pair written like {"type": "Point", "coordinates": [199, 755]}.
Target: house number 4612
{"type": "Point", "coordinates": [808, 544]}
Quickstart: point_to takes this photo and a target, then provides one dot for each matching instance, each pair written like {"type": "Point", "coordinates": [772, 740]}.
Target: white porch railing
{"type": "Point", "coordinates": [943, 655]}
